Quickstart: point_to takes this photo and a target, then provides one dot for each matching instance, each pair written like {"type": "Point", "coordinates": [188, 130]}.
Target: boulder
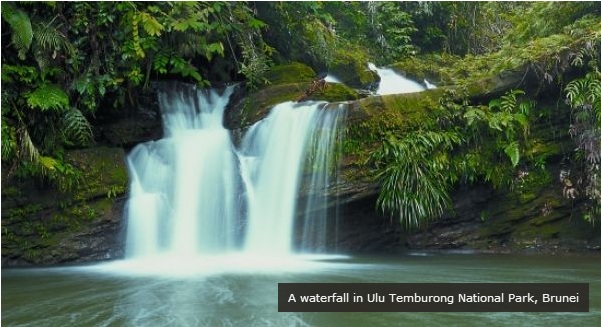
{"type": "Point", "coordinates": [354, 72]}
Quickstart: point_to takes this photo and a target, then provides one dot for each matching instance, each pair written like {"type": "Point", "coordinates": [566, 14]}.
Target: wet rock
{"type": "Point", "coordinates": [42, 226]}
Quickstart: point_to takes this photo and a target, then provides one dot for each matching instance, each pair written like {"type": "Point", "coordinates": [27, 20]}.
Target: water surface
{"type": "Point", "coordinates": [243, 291]}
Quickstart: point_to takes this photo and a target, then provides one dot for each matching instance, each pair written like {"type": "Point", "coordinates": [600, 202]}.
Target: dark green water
{"type": "Point", "coordinates": [101, 296]}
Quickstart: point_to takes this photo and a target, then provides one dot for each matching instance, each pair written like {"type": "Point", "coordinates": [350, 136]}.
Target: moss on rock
{"type": "Point", "coordinates": [103, 169]}
{"type": "Point", "coordinates": [43, 226]}
{"type": "Point", "coordinates": [428, 67]}
{"type": "Point", "coordinates": [370, 119]}
{"type": "Point", "coordinates": [294, 72]}
{"type": "Point", "coordinates": [353, 71]}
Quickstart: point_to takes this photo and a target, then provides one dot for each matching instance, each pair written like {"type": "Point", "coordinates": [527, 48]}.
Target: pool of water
{"type": "Point", "coordinates": [241, 291]}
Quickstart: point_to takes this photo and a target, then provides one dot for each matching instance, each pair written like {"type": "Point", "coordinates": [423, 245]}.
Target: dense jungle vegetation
{"type": "Point", "coordinates": [66, 64]}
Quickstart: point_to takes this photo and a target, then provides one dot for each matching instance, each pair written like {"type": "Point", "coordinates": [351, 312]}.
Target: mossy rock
{"type": "Point", "coordinates": [376, 115]}
{"type": "Point", "coordinates": [334, 92]}
{"type": "Point", "coordinates": [44, 226]}
{"type": "Point", "coordinates": [354, 72]}
{"type": "Point", "coordinates": [258, 104]}
{"type": "Point", "coordinates": [430, 67]}
{"type": "Point", "coordinates": [103, 171]}
{"type": "Point", "coordinates": [294, 72]}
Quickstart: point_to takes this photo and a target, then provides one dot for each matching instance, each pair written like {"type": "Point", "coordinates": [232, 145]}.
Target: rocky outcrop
{"type": "Point", "coordinates": [288, 83]}
{"type": "Point", "coordinates": [354, 73]}
{"type": "Point", "coordinates": [482, 220]}
{"type": "Point", "coordinates": [130, 131]}
{"type": "Point", "coordinates": [43, 226]}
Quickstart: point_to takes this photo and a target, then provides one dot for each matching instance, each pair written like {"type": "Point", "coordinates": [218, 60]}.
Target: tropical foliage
{"type": "Point", "coordinates": [66, 61]}
{"type": "Point", "coordinates": [584, 96]}
{"type": "Point", "coordinates": [65, 64]}
{"type": "Point", "coordinates": [417, 170]}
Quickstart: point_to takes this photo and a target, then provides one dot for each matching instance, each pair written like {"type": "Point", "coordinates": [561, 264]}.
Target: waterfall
{"type": "Point", "coordinates": [276, 150]}
{"type": "Point", "coordinates": [393, 83]}
{"type": "Point", "coordinates": [194, 193]}
{"type": "Point", "coordinates": [183, 186]}
{"type": "Point", "coordinates": [323, 163]}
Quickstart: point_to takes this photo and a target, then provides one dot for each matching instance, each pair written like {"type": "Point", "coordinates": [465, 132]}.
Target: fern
{"type": "Point", "coordinates": [76, 127]}
{"type": "Point", "coordinates": [47, 163]}
{"type": "Point", "coordinates": [414, 175]}
{"type": "Point", "coordinates": [512, 150]}
{"type": "Point", "coordinates": [48, 37]}
{"type": "Point", "coordinates": [9, 140]}
{"type": "Point", "coordinates": [27, 150]}
{"type": "Point", "coordinates": [47, 97]}
{"type": "Point", "coordinates": [22, 32]}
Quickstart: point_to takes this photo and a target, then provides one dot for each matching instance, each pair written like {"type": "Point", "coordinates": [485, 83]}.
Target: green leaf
{"type": "Point", "coordinates": [180, 25]}
{"type": "Point", "coordinates": [256, 23]}
{"type": "Point", "coordinates": [48, 97]}
{"type": "Point", "coordinates": [48, 163]}
{"type": "Point", "coordinates": [513, 152]}
{"type": "Point", "coordinates": [150, 24]}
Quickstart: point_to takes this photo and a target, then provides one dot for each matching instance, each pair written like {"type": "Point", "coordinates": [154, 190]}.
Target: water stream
{"type": "Point", "coordinates": [193, 193]}
{"type": "Point", "coordinates": [393, 83]}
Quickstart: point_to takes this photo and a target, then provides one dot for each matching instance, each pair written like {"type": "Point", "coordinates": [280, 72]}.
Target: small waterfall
{"type": "Point", "coordinates": [393, 83]}
{"type": "Point", "coordinates": [332, 79]}
{"type": "Point", "coordinates": [194, 193]}
{"type": "Point", "coordinates": [322, 164]}
{"type": "Point", "coordinates": [183, 189]}
{"type": "Point", "coordinates": [274, 151]}
{"type": "Point", "coordinates": [429, 85]}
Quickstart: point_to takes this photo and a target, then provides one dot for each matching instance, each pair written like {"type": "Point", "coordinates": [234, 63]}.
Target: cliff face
{"type": "Point", "coordinates": [43, 226]}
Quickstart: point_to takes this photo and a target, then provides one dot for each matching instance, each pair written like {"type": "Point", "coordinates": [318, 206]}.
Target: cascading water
{"type": "Point", "coordinates": [274, 152]}
{"type": "Point", "coordinates": [393, 83]}
{"type": "Point", "coordinates": [183, 186]}
{"type": "Point", "coordinates": [322, 164]}
{"type": "Point", "coordinates": [193, 193]}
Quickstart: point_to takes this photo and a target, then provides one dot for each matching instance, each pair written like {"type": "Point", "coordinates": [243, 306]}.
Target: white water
{"type": "Point", "coordinates": [429, 85]}
{"type": "Point", "coordinates": [332, 79]}
{"type": "Point", "coordinates": [274, 152]}
{"type": "Point", "coordinates": [316, 223]}
{"type": "Point", "coordinates": [393, 83]}
{"type": "Point", "coordinates": [194, 194]}
{"type": "Point", "coordinates": [176, 204]}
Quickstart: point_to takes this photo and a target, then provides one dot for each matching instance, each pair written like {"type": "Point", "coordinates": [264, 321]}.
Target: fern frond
{"type": "Point", "coordinates": [76, 127]}
{"type": "Point", "coordinates": [22, 32]}
{"type": "Point", "coordinates": [512, 150]}
{"type": "Point", "coordinates": [49, 38]}
{"type": "Point", "coordinates": [41, 57]}
{"type": "Point", "coordinates": [47, 97]}
{"type": "Point", "coordinates": [9, 140]}
{"type": "Point", "coordinates": [26, 149]}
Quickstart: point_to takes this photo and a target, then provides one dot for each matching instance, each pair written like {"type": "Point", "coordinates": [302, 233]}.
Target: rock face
{"type": "Point", "coordinates": [43, 226]}
{"type": "Point", "coordinates": [482, 220]}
